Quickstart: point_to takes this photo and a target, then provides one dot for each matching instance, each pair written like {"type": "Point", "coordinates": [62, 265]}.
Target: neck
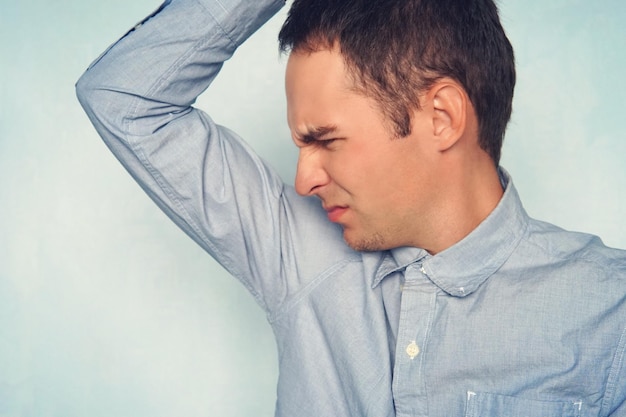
{"type": "Point", "coordinates": [468, 191]}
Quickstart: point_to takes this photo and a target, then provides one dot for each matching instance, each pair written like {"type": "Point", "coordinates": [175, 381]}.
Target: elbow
{"type": "Point", "coordinates": [105, 107]}
{"type": "Point", "coordinates": [89, 95]}
{"type": "Point", "coordinates": [83, 90]}
{"type": "Point", "coordinates": [117, 106]}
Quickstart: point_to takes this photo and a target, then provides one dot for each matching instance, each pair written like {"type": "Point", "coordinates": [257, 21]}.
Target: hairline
{"type": "Point", "coordinates": [317, 42]}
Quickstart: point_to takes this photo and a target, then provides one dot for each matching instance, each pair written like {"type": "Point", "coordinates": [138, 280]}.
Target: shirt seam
{"type": "Point", "coordinates": [217, 23]}
{"type": "Point", "coordinates": [613, 378]}
{"type": "Point", "coordinates": [292, 302]}
{"type": "Point", "coordinates": [556, 255]}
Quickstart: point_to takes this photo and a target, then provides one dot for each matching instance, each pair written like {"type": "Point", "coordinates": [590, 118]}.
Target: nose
{"type": "Point", "coordinates": [310, 173]}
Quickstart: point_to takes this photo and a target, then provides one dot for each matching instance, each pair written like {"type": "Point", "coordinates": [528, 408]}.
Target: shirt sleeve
{"type": "Point", "coordinates": [139, 96]}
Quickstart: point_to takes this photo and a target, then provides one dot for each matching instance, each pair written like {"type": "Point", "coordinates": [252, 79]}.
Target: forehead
{"type": "Point", "coordinates": [322, 68]}
{"type": "Point", "coordinates": [315, 83]}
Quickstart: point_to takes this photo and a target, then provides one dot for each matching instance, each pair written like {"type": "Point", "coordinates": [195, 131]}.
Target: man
{"type": "Point", "coordinates": [419, 286]}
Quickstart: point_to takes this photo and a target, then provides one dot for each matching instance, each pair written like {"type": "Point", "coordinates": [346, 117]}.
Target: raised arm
{"type": "Point", "coordinates": [139, 96]}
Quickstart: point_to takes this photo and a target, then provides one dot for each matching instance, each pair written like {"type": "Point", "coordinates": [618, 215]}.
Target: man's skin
{"type": "Point", "coordinates": [375, 185]}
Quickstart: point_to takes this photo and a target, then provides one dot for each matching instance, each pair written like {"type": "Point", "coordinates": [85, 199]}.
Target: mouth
{"type": "Point", "coordinates": [334, 213]}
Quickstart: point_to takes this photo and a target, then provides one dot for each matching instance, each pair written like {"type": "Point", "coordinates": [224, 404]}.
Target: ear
{"type": "Point", "coordinates": [450, 104]}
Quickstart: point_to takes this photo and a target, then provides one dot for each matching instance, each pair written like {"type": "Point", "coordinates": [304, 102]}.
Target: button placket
{"type": "Point", "coordinates": [416, 313]}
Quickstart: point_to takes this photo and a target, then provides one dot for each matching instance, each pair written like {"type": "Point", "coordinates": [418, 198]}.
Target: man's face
{"type": "Point", "coordinates": [371, 183]}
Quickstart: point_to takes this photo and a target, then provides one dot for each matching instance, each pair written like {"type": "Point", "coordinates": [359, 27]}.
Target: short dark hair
{"type": "Point", "coordinates": [396, 49]}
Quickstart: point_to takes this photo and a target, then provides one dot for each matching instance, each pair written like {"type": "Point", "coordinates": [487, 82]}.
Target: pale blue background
{"type": "Point", "coordinates": [106, 309]}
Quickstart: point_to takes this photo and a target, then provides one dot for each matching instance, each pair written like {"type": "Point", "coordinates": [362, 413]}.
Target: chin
{"type": "Point", "coordinates": [372, 243]}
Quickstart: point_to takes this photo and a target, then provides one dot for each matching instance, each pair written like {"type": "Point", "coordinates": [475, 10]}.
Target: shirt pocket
{"type": "Point", "coordinates": [480, 404]}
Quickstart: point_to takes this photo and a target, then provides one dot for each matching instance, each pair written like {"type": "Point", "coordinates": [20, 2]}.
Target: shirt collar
{"type": "Point", "coordinates": [463, 267]}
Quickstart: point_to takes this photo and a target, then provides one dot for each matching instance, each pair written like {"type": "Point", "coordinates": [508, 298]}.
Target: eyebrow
{"type": "Point", "coordinates": [316, 133]}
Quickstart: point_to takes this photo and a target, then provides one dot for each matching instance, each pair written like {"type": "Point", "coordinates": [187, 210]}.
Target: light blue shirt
{"type": "Point", "coordinates": [519, 319]}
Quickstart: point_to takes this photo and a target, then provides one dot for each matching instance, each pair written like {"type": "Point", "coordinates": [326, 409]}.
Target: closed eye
{"type": "Point", "coordinates": [325, 143]}
{"type": "Point", "coordinates": [321, 143]}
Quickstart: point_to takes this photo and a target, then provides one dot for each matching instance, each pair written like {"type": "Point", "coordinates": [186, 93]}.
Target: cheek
{"type": "Point", "coordinates": [355, 172]}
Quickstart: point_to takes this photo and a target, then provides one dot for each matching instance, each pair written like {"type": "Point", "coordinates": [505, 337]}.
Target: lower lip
{"type": "Point", "coordinates": [336, 213]}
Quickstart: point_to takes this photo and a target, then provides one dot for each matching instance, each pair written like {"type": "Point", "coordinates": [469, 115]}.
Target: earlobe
{"type": "Point", "coordinates": [450, 105]}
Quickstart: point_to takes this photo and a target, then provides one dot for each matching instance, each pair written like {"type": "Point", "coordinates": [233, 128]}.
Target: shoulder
{"type": "Point", "coordinates": [569, 269]}
{"type": "Point", "coordinates": [559, 246]}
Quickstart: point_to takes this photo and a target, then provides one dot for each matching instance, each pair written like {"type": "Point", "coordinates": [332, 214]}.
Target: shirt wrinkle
{"type": "Point", "coordinates": [302, 294]}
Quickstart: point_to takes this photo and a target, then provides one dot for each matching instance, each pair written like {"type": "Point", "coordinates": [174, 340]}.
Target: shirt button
{"type": "Point", "coordinates": [412, 350]}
